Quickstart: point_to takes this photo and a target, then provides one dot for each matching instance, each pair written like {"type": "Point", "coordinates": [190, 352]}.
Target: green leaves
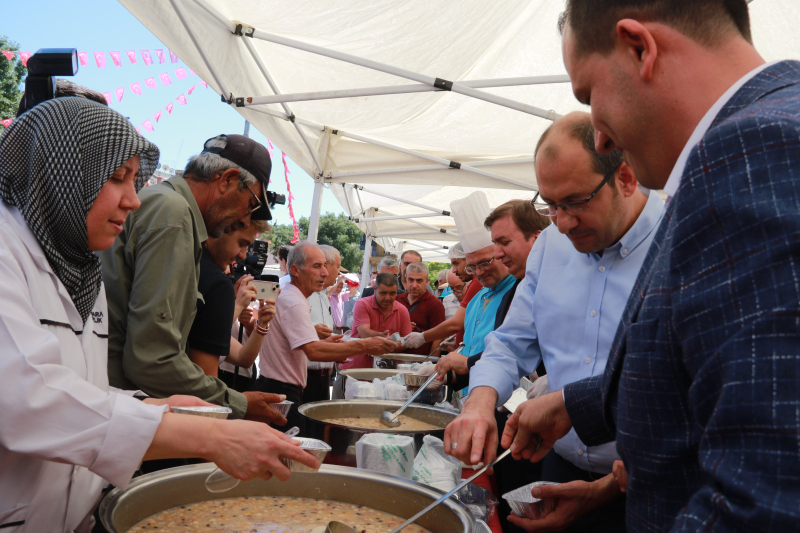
{"type": "Point", "coordinates": [12, 74]}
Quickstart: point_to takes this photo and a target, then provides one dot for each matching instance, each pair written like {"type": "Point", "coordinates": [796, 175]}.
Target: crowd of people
{"type": "Point", "coordinates": [661, 337]}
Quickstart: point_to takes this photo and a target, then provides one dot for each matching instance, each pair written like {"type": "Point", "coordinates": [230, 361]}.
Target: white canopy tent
{"type": "Point", "coordinates": [399, 107]}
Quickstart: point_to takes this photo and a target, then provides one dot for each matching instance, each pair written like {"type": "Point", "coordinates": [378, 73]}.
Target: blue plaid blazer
{"type": "Point", "coordinates": [702, 388]}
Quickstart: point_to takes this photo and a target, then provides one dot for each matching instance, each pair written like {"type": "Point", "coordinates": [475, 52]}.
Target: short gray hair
{"type": "Point", "coordinates": [297, 255]}
{"type": "Point", "coordinates": [388, 262]}
{"type": "Point", "coordinates": [331, 253]}
{"type": "Point", "coordinates": [206, 165]}
{"type": "Point", "coordinates": [456, 252]}
{"type": "Point", "coordinates": [420, 268]}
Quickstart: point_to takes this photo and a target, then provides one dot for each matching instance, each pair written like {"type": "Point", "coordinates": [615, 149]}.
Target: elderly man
{"type": "Point", "coordinates": [318, 386]}
{"type": "Point", "coordinates": [151, 273]}
{"type": "Point", "coordinates": [566, 310]}
{"type": "Point", "coordinates": [452, 301]}
{"type": "Point", "coordinates": [292, 339]}
{"type": "Point", "coordinates": [387, 265]}
{"type": "Point", "coordinates": [701, 390]}
{"type": "Point", "coordinates": [406, 258]}
{"type": "Point", "coordinates": [425, 309]}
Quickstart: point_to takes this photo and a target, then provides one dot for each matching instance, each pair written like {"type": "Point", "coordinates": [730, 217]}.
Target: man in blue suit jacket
{"type": "Point", "coordinates": [702, 388]}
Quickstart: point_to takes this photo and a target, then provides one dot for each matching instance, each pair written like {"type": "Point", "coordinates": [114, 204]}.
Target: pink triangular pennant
{"type": "Point", "coordinates": [119, 92]}
{"type": "Point", "coordinates": [160, 54]}
{"type": "Point", "coordinates": [136, 87]}
{"type": "Point", "coordinates": [7, 122]}
{"type": "Point", "coordinates": [116, 57]}
{"type": "Point", "coordinates": [131, 56]}
{"type": "Point", "coordinates": [165, 79]}
{"type": "Point", "coordinates": [173, 57]}
{"type": "Point", "coordinates": [157, 115]}
{"type": "Point", "coordinates": [192, 72]}
{"type": "Point", "coordinates": [24, 57]}
{"type": "Point", "coordinates": [83, 57]}
{"type": "Point", "coordinates": [169, 108]}
{"type": "Point", "coordinates": [181, 100]}
{"type": "Point", "coordinates": [204, 84]}
{"type": "Point", "coordinates": [150, 82]}
{"type": "Point", "coordinates": [108, 97]}
{"type": "Point", "coordinates": [147, 125]}
{"type": "Point", "coordinates": [146, 56]}
{"type": "Point", "coordinates": [100, 58]}
{"type": "Point", "coordinates": [180, 73]}
{"type": "Point", "coordinates": [191, 89]}
{"type": "Point", "coordinates": [9, 55]}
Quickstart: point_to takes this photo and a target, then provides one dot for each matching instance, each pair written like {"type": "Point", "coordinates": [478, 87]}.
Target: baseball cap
{"type": "Point", "coordinates": [249, 155]}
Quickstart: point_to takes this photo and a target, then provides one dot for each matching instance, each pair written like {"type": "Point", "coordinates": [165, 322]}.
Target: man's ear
{"type": "Point", "coordinates": [294, 270]}
{"type": "Point", "coordinates": [228, 180]}
{"type": "Point", "coordinates": [639, 45]}
{"type": "Point", "coordinates": [627, 180]}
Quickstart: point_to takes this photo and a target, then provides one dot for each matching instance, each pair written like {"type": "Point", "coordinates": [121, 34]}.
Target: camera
{"type": "Point", "coordinates": [254, 263]}
{"type": "Point", "coordinates": [275, 198]}
{"type": "Point", "coordinates": [40, 84]}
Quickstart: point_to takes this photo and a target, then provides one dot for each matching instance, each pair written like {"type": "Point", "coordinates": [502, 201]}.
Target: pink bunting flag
{"type": "Point", "coordinates": [296, 236]}
{"type": "Point", "coordinates": [108, 97]}
{"type": "Point", "coordinates": [116, 57]}
{"type": "Point", "coordinates": [9, 55]}
{"type": "Point", "coordinates": [180, 73]}
{"type": "Point", "coordinates": [131, 56]}
{"type": "Point", "coordinates": [24, 57]}
{"type": "Point", "coordinates": [157, 115]}
{"type": "Point", "coordinates": [160, 54]}
{"type": "Point", "coordinates": [146, 56]}
{"type": "Point", "coordinates": [147, 125]}
{"type": "Point", "coordinates": [192, 72]}
{"type": "Point", "coordinates": [165, 79]}
{"type": "Point", "coordinates": [204, 84]}
{"type": "Point", "coordinates": [270, 148]}
{"type": "Point", "coordinates": [191, 89]}
{"type": "Point", "coordinates": [100, 58]}
{"type": "Point", "coordinates": [83, 57]}
{"type": "Point", "coordinates": [173, 57]}
{"type": "Point", "coordinates": [169, 108]}
{"type": "Point", "coordinates": [7, 122]}
{"type": "Point", "coordinates": [119, 92]}
{"type": "Point", "coordinates": [150, 82]}
{"type": "Point", "coordinates": [181, 100]}
{"type": "Point", "coordinates": [136, 88]}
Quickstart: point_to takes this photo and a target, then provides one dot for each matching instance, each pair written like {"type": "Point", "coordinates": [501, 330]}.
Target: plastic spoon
{"type": "Point", "coordinates": [218, 481]}
{"type": "Point", "coordinates": [389, 419]}
{"type": "Point", "coordinates": [443, 498]}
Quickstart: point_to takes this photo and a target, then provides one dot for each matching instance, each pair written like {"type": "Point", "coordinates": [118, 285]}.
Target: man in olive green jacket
{"type": "Point", "coordinates": [152, 271]}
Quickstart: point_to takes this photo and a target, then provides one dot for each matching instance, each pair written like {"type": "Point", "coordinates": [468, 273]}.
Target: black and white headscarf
{"type": "Point", "coordinates": [54, 160]}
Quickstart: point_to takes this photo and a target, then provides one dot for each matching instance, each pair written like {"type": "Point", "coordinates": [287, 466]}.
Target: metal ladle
{"type": "Point", "coordinates": [389, 419]}
{"type": "Point", "coordinates": [218, 481]}
{"type": "Point", "coordinates": [338, 527]}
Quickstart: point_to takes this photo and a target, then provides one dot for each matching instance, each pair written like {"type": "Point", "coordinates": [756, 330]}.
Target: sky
{"type": "Point", "coordinates": [105, 25]}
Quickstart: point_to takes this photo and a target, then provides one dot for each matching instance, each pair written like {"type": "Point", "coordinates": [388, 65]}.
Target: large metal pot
{"type": "Point", "coordinates": [150, 494]}
{"type": "Point", "coordinates": [369, 374]}
{"type": "Point", "coordinates": [391, 360]}
{"type": "Point", "coordinates": [343, 438]}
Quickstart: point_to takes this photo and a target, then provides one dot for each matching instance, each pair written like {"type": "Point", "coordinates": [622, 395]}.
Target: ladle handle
{"type": "Point", "coordinates": [458, 488]}
{"type": "Point", "coordinates": [414, 397]}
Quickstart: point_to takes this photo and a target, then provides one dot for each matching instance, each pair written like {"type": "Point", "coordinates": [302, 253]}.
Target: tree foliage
{"type": "Point", "coordinates": [433, 271]}
{"type": "Point", "coordinates": [12, 74]}
{"type": "Point", "coordinates": [335, 230]}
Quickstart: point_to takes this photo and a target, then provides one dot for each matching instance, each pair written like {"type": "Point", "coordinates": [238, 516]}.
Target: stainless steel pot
{"type": "Point", "coordinates": [391, 360]}
{"type": "Point", "coordinates": [150, 494]}
{"type": "Point", "coordinates": [343, 438]}
{"type": "Point", "coordinates": [368, 374]}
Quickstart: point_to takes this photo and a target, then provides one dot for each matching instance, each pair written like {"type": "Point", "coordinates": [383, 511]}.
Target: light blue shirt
{"type": "Point", "coordinates": [566, 311]}
{"type": "Point", "coordinates": [480, 315]}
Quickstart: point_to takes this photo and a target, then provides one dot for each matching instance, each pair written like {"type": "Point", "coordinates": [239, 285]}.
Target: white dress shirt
{"type": "Point", "coordinates": [320, 314]}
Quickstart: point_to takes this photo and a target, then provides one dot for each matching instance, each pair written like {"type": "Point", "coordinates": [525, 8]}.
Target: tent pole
{"type": "Point", "coordinates": [444, 162]}
{"type": "Point", "coordinates": [316, 207]}
{"type": "Point", "coordinates": [334, 176]}
{"type": "Point", "coordinates": [400, 89]}
{"type": "Point", "coordinates": [408, 234]}
{"type": "Point", "coordinates": [366, 264]}
{"type": "Point", "coordinates": [181, 12]}
{"type": "Point", "coordinates": [356, 219]}
{"type": "Point", "coordinates": [402, 200]}
{"type": "Point", "coordinates": [455, 87]}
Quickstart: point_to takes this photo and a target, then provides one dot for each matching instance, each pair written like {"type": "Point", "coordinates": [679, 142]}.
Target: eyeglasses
{"type": "Point", "coordinates": [258, 203]}
{"type": "Point", "coordinates": [471, 269]}
{"type": "Point", "coordinates": [551, 210]}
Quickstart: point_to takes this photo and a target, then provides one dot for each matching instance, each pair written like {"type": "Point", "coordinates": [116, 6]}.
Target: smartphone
{"type": "Point", "coordinates": [266, 290]}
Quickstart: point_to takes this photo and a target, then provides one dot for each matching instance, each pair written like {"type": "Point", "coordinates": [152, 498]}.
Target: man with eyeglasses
{"type": "Point", "coordinates": [565, 312]}
{"type": "Point", "coordinates": [151, 272]}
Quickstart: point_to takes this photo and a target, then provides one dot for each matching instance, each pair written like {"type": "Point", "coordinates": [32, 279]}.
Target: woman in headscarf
{"type": "Point", "coordinates": [69, 173]}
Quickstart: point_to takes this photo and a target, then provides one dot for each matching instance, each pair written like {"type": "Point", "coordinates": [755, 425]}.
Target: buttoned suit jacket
{"type": "Point", "coordinates": [702, 388]}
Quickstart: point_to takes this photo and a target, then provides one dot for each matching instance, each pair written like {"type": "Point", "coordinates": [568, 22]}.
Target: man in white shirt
{"type": "Point", "coordinates": [319, 372]}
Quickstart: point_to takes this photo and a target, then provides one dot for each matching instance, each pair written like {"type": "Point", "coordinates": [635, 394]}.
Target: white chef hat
{"type": "Point", "coordinates": [469, 214]}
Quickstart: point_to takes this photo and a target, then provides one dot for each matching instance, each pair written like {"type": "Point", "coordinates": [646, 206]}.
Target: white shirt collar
{"type": "Point", "coordinates": [674, 180]}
